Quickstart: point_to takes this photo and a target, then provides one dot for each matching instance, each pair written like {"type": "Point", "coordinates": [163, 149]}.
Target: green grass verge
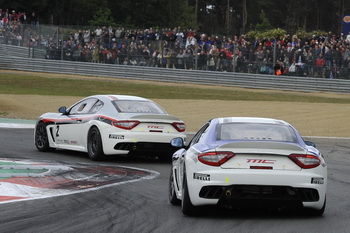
{"type": "Point", "coordinates": [20, 84]}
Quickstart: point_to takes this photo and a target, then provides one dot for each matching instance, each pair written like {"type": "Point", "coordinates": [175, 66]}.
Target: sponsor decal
{"type": "Point", "coordinates": [317, 180]}
{"type": "Point", "coordinates": [113, 136]}
{"type": "Point", "coordinates": [198, 176]}
{"type": "Point", "coordinates": [67, 142]}
{"type": "Point", "coordinates": [346, 19]}
{"type": "Point", "coordinates": [265, 161]}
{"type": "Point", "coordinates": [155, 126]}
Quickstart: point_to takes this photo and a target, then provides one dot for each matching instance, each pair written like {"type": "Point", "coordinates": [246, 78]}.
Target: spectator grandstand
{"type": "Point", "coordinates": [324, 56]}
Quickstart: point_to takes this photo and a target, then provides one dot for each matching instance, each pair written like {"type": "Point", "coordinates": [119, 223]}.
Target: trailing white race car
{"type": "Point", "coordinates": [241, 162]}
{"type": "Point", "coordinates": [109, 125]}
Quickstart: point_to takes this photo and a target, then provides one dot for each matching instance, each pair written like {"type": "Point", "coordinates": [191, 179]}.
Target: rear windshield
{"type": "Point", "coordinates": [255, 132]}
{"type": "Point", "coordinates": [137, 106]}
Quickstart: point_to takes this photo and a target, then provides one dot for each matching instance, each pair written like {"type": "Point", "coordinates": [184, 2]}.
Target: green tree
{"type": "Point", "coordinates": [213, 16]}
{"type": "Point", "coordinates": [103, 18]}
{"type": "Point", "coordinates": [186, 17]}
{"type": "Point", "coordinates": [153, 13]}
{"type": "Point", "coordinates": [264, 24]}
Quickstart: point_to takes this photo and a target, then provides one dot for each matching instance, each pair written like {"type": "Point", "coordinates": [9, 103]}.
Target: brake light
{"type": "Point", "coordinates": [179, 126]}
{"type": "Point", "coordinates": [215, 158]}
{"type": "Point", "coordinates": [125, 124]}
{"type": "Point", "coordinates": [305, 161]}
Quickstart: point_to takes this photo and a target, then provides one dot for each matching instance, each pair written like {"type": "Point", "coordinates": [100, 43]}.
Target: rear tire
{"type": "Point", "coordinates": [41, 138]}
{"type": "Point", "coordinates": [94, 145]}
{"type": "Point", "coordinates": [186, 205]}
{"type": "Point", "coordinates": [172, 194]}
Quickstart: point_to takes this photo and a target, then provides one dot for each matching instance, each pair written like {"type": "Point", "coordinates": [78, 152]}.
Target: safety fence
{"type": "Point", "coordinates": [229, 79]}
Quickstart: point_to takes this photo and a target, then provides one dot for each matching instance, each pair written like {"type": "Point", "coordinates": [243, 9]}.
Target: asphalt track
{"type": "Point", "coordinates": [21, 180]}
{"type": "Point", "coordinates": [143, 206]}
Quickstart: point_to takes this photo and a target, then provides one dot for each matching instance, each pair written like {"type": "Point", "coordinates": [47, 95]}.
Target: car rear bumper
{"type": "Point", "coordinates": [243, 186]}
{"type": "Point", "coordinates": [146, 148]}
{"type": "Point", "coordinates": [123, 143]}
{"type": "Point", "coordinates": [259, 195]}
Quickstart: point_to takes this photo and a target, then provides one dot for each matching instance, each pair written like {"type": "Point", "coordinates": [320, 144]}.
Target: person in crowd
{"type": "Point", "coordinates": [240, 61]}
{"type": "Point", "coordinates": [215, 55]}
{"type": "Point", "coordinates": [180, 37]}
{"type": "Point", "coordinates": [34, 19]}
{"type": "Point", "coordinates": [23, 18]}
{"type": "Point", "coordinates": [347, 40]}
{"type": "Point", "coordinates": [320, 64]}
{"type": "Point", "coordinates": [202, 60]}
{"type": "Point", "coordinates": [309, 64]}
{"type": "Point", "coordinates": [180, 59]}
{"type": "Point", "coordinates": [14, 16]}
{"type": "Point", "coordinates": [223, 60]}
{"type": "Point", "coordinates": [188, 58]}
{"type": "Point", "coordinates": [300, 61]}
{"type": "Point", "coordinates": [278, 68]}
{"type": "Point", "coordinates": [211, 62]}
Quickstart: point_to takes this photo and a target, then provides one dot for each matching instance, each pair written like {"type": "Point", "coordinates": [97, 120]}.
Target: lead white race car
{"type": "Point", "coordinates": [110, 125]}
{"type": "Point", "coordinates": [248, 162]}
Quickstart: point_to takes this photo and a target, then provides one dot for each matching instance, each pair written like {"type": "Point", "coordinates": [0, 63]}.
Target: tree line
{"type": "Point", "coordinates": [229, 17]}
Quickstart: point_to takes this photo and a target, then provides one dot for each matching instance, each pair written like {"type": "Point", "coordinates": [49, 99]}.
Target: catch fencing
{"type": "Point", "coordinates": [17, 59]}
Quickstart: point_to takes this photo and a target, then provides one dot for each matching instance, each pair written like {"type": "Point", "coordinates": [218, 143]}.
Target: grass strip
{"type": "Point", "coordinates": [20, 84]}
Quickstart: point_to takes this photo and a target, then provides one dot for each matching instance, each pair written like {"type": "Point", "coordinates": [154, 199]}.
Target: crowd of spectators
{"type": "Point", "coordinates": [324, 56]}
{"type": "Point", "coordinates": [12, 25]}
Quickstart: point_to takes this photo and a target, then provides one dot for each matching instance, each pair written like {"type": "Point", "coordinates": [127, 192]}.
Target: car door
{"type": "Point", "coordinates": [71, 127]}
{"type": "Point", "coordinates": [194, 141]}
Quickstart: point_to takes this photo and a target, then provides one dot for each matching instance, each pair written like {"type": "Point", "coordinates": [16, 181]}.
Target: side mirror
{"type": "Point", "coordinates": [63, 110]}
{"type": "Point", "coordinates": [177, 142]}
{"type": "Point", "coordinates": [310, 143]}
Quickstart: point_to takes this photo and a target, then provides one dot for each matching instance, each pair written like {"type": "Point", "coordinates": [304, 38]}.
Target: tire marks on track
{"type": "Point", "coordinates": [25, 179]}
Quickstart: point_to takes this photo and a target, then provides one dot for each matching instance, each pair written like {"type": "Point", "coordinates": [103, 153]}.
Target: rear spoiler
{"type": "Point", "coordinates": [263, 147]}
{"type": "Point", "coordinates": [155, 116]}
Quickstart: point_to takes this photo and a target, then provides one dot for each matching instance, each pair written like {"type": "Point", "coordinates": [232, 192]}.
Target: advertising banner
{"type": "Point", "coordinates": [346, 25]}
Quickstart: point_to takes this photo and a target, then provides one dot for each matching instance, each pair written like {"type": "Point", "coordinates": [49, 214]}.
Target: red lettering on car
{"type": "Point", "coordinates": [266, 161]}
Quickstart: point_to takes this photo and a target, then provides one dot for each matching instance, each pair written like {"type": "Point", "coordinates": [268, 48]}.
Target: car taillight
{"type": "Point", "coordinates": [305, 161]}
{"type": "Point", "coordinates": [181, 127]}
{"type": "Point", "coordinates": [125, 124]}
{"type": "Point", "coordinates": [215, 158]}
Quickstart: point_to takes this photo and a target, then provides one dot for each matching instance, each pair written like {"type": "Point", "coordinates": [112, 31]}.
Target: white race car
{"type": "Point", "coordinates": [248, 162]}
{"type": "Point", "coordinates": [110, 125]}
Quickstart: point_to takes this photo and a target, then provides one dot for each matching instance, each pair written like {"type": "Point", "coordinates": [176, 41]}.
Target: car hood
{"type": "Point", "coordinates": [50, 115]}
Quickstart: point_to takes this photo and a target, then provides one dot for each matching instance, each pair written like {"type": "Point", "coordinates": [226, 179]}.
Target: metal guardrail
{"type": "Point", "coordinates": [15, 51]}
{"type": "Point", "coordinates": [23, 52]}
{"type": "Point", "coordinates": [257, 81]}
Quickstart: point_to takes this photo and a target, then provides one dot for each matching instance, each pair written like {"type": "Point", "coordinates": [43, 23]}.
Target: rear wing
{"type": "Point", "coordinates": [155, 116]}
{"type": "Point", "coordinates": [262, 147]}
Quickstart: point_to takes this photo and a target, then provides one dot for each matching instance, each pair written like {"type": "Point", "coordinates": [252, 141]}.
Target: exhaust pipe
{"type": "Point", "coordinates": [228, 193]}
